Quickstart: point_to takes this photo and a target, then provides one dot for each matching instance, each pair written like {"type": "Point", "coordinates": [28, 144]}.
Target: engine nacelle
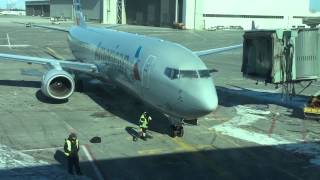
{"type": "Point", "coordinates": [57, 84]}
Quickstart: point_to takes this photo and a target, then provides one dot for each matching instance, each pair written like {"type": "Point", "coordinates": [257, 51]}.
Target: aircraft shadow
{"type": "Point", "coordinates": [123, 105]}
{"type": "Point", "coordinates": [255, 162]}
{"type": "Point", "coordinates": [21, 83]}
{"type": "Point", "coordinates": [32, 84]}
{"type": "Point", "coordinates": [230, 97]}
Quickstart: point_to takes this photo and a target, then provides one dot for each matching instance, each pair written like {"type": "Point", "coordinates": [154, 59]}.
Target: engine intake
{"type": "Point", "coordinates": [57, 84]}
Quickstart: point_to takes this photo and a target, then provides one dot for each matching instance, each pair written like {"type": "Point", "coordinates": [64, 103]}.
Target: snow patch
{"type": "Point", "coordinates": [15, 165]}
{"type": "Point", "coordinates": [247, 116]}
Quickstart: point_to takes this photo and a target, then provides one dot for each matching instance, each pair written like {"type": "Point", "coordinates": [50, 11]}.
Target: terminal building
{"type": "Point", "coordinates": [194, 14]}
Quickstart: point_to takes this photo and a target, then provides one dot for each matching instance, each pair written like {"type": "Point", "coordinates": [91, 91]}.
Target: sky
{"type": "Point", "coordinates": [20, 4]}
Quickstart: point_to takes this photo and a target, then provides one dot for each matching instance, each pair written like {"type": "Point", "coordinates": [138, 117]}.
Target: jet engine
{"type": "Point", "coordinates": [57, 84]}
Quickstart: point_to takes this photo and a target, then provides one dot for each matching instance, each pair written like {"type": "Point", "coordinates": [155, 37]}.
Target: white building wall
{"type": "Point", "coordinates": [109, 12]}
{"type": "Point", "coordinates": [192, 15]}
{"type": "Point", "coordinates": [188, 13]}
{"type": "Point", "coordinates": [251, 8]}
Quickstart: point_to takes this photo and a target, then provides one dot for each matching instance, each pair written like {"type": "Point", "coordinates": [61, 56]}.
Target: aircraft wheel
{"type": "Point", "coordinates": [180, 132]}
{"type": "Point", "coordinates": [174, 132]}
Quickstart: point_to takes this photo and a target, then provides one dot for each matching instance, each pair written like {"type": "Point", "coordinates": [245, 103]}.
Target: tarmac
{"type": "Point", "coordinates": [256, 132]}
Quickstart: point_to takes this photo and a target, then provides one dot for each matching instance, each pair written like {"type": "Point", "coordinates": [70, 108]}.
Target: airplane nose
{"type": "Point", "coordinates": [206, 103]}
{"type": "Point", "coordinates": [202, 102]}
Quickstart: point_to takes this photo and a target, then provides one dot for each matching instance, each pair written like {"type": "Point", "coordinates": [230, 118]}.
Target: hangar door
{"type": "Point", "coordinates": [153, 12]}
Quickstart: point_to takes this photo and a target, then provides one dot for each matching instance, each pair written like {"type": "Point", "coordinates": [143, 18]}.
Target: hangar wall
{"type": "Point", "coordinates": [143, 12]}
{"type": "Point", "coordinates": [195, 14]}
{"type": "Point", "coordinates": [92, 9]}
{"type": "Point", "coordinates": [38, 8]}
{"type": "Point", "coordinates": [61, 8]}
{"type": "Point", "coordinates": [265, 13]}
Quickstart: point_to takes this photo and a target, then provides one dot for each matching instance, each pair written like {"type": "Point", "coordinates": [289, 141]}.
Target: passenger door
{"type": "Point", "coordinates": [146, 73]}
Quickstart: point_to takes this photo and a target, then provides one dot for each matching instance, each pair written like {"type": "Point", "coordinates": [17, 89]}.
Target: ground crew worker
{"type": "Point", "coordinates": [71, 149]}
{"type": "Point", "coordinates": [143, 124]}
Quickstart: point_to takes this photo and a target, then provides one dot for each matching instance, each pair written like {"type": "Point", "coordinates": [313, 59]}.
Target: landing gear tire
{"type": "Point", "coordinates": [180, 132]}
{"type": "Point", "coordinates": [177, 131]}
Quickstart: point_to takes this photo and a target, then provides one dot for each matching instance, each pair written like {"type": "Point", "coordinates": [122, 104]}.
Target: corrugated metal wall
{"type": "Point", "coordinates": [38, 8]}
{"type": "Point", "coordinates": [150, 12]}
{"type": "Point", "coordinates": [60, 8]}
{"type": "Point", "coordinates": [92, 9]}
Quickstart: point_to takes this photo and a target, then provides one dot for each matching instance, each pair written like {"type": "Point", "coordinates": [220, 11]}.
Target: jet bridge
{"type": "Point", "coordinates": [283, 57]}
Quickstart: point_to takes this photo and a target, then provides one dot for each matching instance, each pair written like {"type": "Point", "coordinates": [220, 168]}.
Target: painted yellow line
{"type": "Point", "coordinates": [183, 145]}
{"type": "Point", "coordinates": [152, 151]}
{"type": "Point", "coordinates": [210, 163]}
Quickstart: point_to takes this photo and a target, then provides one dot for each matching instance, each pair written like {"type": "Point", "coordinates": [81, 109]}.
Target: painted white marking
{"type": "Point", "coordinates": [8, 38]}
{"type": "Point", "coordinates": [95, 168]}
{"type": "Point", "coordinates": [41, 149]}
{"type": "Point", "coordinates": [16, 165]}
{"type": "Point", "coordinates": [15, 46]}
{"type": "Point", "coordinates": [247, 116]}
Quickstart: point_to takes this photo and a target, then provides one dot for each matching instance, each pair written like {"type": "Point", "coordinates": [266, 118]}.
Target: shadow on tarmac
{"type": "Point", "coordinates": [32, 84]}
{"type": "Point", "coordinates": [123, 105]}
{"type": "Point", "coordinates": [261, 162]}
{"type": "Point", "coordinates": [230, 97]}
{"type": "Point", "coordinates": [21, 83]}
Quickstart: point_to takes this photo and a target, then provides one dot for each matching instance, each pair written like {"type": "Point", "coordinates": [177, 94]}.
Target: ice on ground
{"type": "Point", "coordinates": [247, 116]}
{"type": "Point", "coordinates": [15, 165]}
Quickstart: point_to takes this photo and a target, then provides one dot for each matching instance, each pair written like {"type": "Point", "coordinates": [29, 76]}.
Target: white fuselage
{"type": "Point", "coordinates": [145, 67]}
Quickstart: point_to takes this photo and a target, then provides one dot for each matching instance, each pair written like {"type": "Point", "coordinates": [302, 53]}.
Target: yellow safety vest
{"type": "Point", "coordinates": [68, 142]}
{"type": "Point", "coordinates": [144, 121]}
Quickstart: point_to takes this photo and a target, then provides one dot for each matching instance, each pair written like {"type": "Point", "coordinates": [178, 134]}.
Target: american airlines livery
{"type": "Point", "coordinates": [164, 75]}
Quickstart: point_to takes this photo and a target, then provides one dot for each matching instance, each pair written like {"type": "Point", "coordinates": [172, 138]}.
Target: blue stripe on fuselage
{"type": "Point", "coordinates": [138, 52]}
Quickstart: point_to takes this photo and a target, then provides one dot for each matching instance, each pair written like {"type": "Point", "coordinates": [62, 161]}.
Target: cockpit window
{"type": "Point", "coordinates": [176, 74]}
{"type": "Point", "coordinates": [188, 74]}
{"type": "Point", "coordinates": [204, 73]}
{"type": "Point", "coordinates": [172, 73]}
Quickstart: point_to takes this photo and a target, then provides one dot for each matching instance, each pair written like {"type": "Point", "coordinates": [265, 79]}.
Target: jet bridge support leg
{"type": "Point", "coordinates": [176, 127]}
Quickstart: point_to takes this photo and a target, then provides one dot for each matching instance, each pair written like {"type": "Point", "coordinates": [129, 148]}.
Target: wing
{"type": "Point", "coordinates": [51, 27]}
{"type": "Point", "coordinates": [217, 50]}
{"type": "Point", "coordinates": [42, 26]}
{"type": "Point", "coordinates": [78, 66]}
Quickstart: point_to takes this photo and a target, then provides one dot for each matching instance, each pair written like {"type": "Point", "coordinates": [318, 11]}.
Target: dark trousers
{"type": "Point", "coordinates": [73, 161]}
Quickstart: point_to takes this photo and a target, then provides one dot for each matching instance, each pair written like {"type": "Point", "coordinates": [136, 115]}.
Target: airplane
{"type": "Point", "coordinates": [164, 75]}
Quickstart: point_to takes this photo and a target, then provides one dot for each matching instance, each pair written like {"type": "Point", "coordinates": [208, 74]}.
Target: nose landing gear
{"type": "Point", "coordinates": [177, 130]}
{"type": "Point", "coordinates": [176, 127]}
